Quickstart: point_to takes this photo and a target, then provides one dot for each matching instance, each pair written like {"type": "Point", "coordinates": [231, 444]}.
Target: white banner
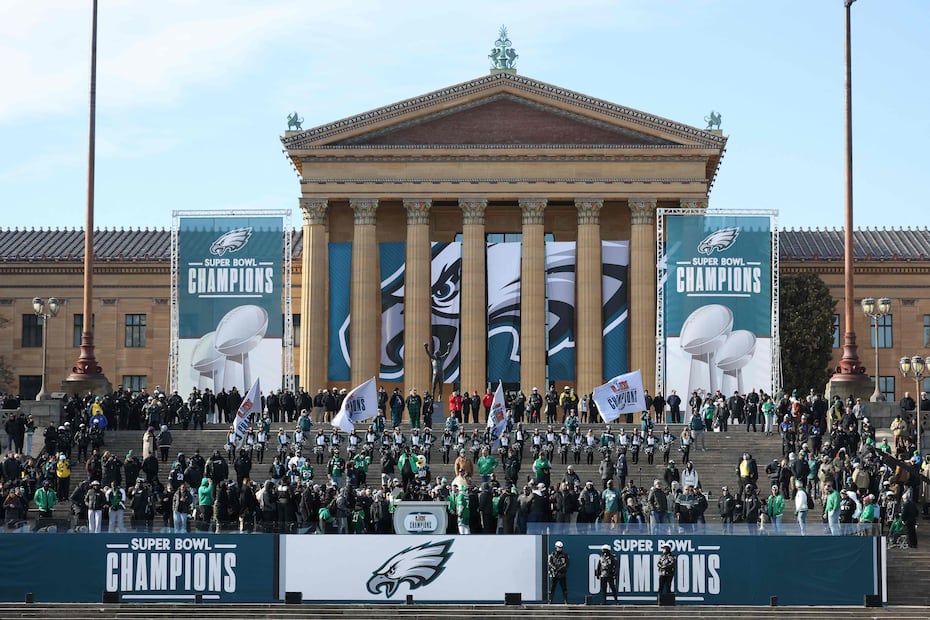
{"type": "Point", "coordinates": [431, 568]}
{"type": "Point", "coordinates": [497, 421]}
{"type": "Point", "coordinates": [620, 395]}
{"type": "Point", "coordinates": [245, 412]}
{"type": "Point", "coordinates": [359, 405]}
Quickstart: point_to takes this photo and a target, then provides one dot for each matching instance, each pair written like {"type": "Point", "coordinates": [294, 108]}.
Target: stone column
{"type": "Point", "coordinates": [643, 292]}
{"type": "Point", "coordinates": [365, 305]}
{"type": "Point", "coordinates": [314, 284]}
{"type": "Point", "coordinates": [588, 293]}
{"type": "Point", "coordinates": [417, 307]}
{"type": "Point", "coordinates": [474, 305]}
{"type": "Point", "coordinates": [533, 296]}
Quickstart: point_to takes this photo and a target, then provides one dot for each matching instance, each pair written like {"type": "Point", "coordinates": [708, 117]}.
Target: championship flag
{"type": "Point", "coordinates": [497, 420]}
{"type": "Point", "coordinates": [245, 412]}
{"type": "Point", "coordinates": [622, 394]}
{"type": "Point", "coordinates": [359, 405]}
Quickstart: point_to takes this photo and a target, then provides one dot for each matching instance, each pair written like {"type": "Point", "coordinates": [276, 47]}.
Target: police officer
{"type": "Point", "coordinates": [606, 571]}
{"type": "Point", "coordinates": [666, 565]}
{"type": "Point", "coordinates": [558, 570]}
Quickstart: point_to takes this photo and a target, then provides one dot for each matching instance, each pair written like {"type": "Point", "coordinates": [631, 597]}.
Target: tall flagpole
{"type": "Point", "coordinates": [86, 375]}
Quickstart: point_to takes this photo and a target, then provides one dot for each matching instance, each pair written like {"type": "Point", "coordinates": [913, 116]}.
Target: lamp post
{"type": "Point", "coordinates": [915, 367]}
{"type": "Point", "coordinates": [45, 310]}
{"type": "Point", "coordinates": [875, 311]}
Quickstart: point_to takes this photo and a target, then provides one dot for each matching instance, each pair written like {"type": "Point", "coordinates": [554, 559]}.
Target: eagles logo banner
{"type": "Point", "coordinates": [718, 303]}
{"type": "Point", "coordinates": [229, 296]}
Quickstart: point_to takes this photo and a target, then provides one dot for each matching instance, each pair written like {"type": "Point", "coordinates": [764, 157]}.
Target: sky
{"type": "Point", "coordinates": [193, 96]}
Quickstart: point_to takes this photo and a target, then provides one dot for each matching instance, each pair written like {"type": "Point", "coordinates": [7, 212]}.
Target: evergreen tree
{"type": "Point", "coordinates": [805, 314]}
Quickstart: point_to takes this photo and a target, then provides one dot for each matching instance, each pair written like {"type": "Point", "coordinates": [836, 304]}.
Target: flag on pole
{"type": "Point", "coordinates": [622, 394]}
{"type": "Point", "coordinates": [359, 405]}
{"type": "Point", "coordinates": [497, 420]}
{"type": "Point", "coordinates": [252, 399]}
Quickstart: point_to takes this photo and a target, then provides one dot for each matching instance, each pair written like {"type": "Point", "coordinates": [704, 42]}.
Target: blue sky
{"type": "Point", "coordinates": [193, 96]}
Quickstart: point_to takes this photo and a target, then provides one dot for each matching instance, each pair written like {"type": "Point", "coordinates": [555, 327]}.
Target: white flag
{"type": "Point", "coordinates": [252, 399]}
{"type": "Point", "coordinates": [622, 394]}
{"type": "Point", "coordinates": [359, 405]}
{"type": "Point", "coordinates": [497, 419]}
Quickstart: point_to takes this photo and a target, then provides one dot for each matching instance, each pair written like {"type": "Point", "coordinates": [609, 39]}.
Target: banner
{"type": "Point", "coordinates": [392, 262]}
{"type": "Point", "coordinates": [230, 317]}
{"type": "Point", "coordinates": [222, 568]}
{"type": "Point", "coordinates": [718, 303]}
{"type": "Point", "coordinates": [560, 306]}
{"type": "Point", "coordinates": [615, 261]}
{"type": "Point", "coordinates": [497, 420]}
{"type": "Point", "coordinates": [503, 266]}
{"type": "Point", "coordinates": [730, 570]}
{"type": "Point", "coordinates": [446, 281]}
{"type": "Point", "coordinates": [244, 414]}
{"type": "Point", "coordinates": [340, 278]}
{"type": "Point", "coordinates": [359, 405]}
{"type": "Point", "coordinates": [386, 569]}
{"type": "Point", "coordinates": [621, 395]}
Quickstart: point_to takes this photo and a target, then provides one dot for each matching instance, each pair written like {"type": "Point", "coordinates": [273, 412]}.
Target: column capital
{"type": "Point", "coordinates": [643, 211]}
{"type": "Point", "coordinates": [533, 210]}
{"type": "Point", "coordinates": [693, 203]}
{"type": "Point", "coordinates": [315, 210]}
{"type": "Point", "coordinates": [589, 210]}
{"type": "Point", "coordinates": [364, 209]}
{"type": "Point", "coordinates": [473, 210]}
{"type": "Point", "coordinates": [417, 210]}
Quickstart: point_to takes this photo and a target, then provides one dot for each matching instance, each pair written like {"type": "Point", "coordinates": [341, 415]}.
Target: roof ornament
{"type": "Point", "coordinates": [503, 56]}
{"type": "Point", "coordinates": [293, 122]}
{"type": "Point", "coordinates": [713, 120]}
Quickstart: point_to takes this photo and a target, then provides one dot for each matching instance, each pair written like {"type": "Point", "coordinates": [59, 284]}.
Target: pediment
{"type": "Point", "coordinates": [502, 109]}
{"type": "Point", "coordinates": [503, 119]}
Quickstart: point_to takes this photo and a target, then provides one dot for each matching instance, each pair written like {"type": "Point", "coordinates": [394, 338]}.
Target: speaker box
{"type": "Point", "coordinates": [773, 601]}
{"type": "Point", "coordinates": [110, 597]}
{"type": "Point", "coordinates": [588, 600]}
{"type": "Point", "coordinates": [198, 599]}
{"type": "Point", "coordinates": [293, 598]}
{"type": "Point", "coordinates": [409, 599]}
{"type": "Point", "coordinates": [667, 599]}
{"type": "Point", "coordinates": [873, 600]}
{"type": "Point", "coordinates": [30, 597]}
{"type": "Point", "coordinates": [513, 598]}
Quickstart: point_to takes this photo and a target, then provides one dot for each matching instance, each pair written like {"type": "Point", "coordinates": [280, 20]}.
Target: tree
{"type": "Point", "coordinates": [805, 318]}
{"type": "Point", "coordinates": [6, 376]}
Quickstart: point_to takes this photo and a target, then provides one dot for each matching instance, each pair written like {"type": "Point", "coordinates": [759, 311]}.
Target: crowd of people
{"type": "Point", "coordinates": [298, 478]}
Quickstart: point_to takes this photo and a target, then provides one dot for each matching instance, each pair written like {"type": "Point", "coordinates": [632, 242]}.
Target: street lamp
{"type": "Point", "coordinates": [45, 310]}
{"type": "Point", "coordinates": [915, 367]}
{"type": "Point", "coordinates": [876, 311]}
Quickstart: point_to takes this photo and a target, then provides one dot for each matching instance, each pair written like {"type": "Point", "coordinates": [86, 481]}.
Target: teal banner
{"type": "Point", "coordinates": [718, 303]}
{"type": "Point", "coordinates": [153, 567]}
{"type": "Point", "coordinates": [392, 263]}
{"type": "Point", "coordinates": [340, 278]}
{"type": "Point", "coordinates": [615, 262]}
{"type": "Point", "coordinates": [230, 321]}
{"type": "Point", "coordinates": [729, 570]}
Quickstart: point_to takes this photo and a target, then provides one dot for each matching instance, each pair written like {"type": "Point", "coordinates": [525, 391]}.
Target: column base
{"type": "Point", "coordinates": [855, 385]}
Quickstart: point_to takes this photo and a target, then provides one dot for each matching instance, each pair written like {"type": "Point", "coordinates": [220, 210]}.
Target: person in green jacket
{"type": "Point", "coordinates": [542, 467]}
{"type": "Point", "coordinates": [775, 507]}
{"type": "Point", "coordinates": [831, 509]}
{"type": "Point", "coordinates": [45, 498]}
{"type": "Point", "coordinates": [414, 405]}
{"type": "Point", "coordinates": [463, 510]}
{"type": "Point", "coordinates": [205, 500]}
{"type": "Point", "coordinates": [486, 465]}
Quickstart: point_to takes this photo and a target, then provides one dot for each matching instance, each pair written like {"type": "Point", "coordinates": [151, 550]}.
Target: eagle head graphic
{"type": "Point", "coordinates": [232, 241]}
{"type": "Point", "coordinates": [418, 566]}
{"type": "Point", "coordinates": [718, 240]}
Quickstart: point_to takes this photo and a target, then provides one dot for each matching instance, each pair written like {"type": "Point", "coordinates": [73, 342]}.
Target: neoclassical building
{"type": "Point", "coordinates": [499, 157]}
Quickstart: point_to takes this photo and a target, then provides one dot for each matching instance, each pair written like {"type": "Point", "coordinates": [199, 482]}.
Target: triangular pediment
{"type": "Point", "coordinates": [502, 109]}
{"type": "Point", "coordinates": [503, 119]}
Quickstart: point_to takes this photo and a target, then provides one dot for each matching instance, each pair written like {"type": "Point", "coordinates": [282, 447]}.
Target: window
{"type": "Point", "coordinates": [135, 330]}
{"type": "Point", "coordinates": [295, 322]}
{"type": "Point", "coordinates": [32, 331]}
{"type": "Point", "coordinates": [836, 331]}
{"type": "Point", "coordinates": [884, 332]}
{"type": "Point", "coordinates": [134, 383]}
{"type": "Point", "coordinates": [927, 330]}
{"type": "Point", "coordinates": [29, 386]}
{"type": "Point", "coordinates": [886, 387]}
{"type": "Point", "coordinates": [78, 329]}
